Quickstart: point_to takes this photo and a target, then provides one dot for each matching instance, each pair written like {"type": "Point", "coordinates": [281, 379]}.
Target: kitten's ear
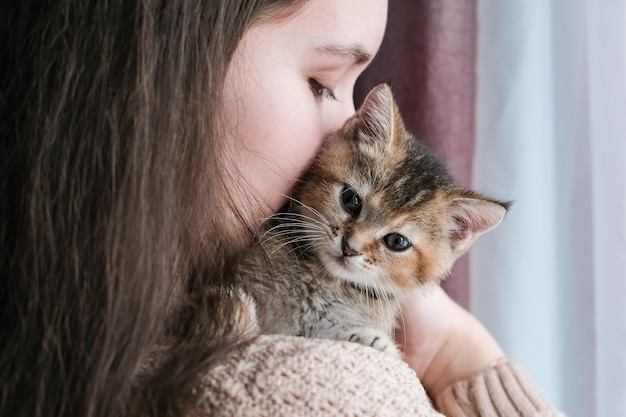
{"type": "Point", "coordinates": [378, 119]}
{"type": "Point", "coordinates": [470, 216]}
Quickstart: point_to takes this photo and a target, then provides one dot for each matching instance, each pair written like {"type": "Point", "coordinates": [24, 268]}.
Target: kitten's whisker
{"type": "Point", "coordinates": [315, 244]}
{"type": "Point", "coordinates": [321, 221]}
{"type": "Point", "coordinates": [395, 291]}
{"type": "Point", "coordinates": [381, 299]}
{"type": "Point", "coordinates": [403, 320]}
{"type": "Point", "coordinates": [306, 248]}
{"type": "Point", "coordinates": [280, 241]}
{"type": "Point", "coordinates": [290, 223]}
{"type": "Point", "coordinates": [313, 210]}
{"type": "Point", "coordinates": [309, 243]}
{"type": "Point", "coordinates": [403, 324]}
{"type": "Point", "coordinates": [296, 226]}
{"type": "Point", "coordinates": [304, 232]}
{"type": "Point", "coordinates": [306, 227]}
{"type": "Point", "coordinates": [290, 240]}
{"type": "Point", "coordinates": [289, 232]}
{"type": "Point", "coordinates": [298, 238]}
{"type": "Point", "coordinates": [382, 279]}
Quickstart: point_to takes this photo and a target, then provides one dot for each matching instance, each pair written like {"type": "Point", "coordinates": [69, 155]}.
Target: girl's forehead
{"type": "Point", "coordinates": [350, 29]}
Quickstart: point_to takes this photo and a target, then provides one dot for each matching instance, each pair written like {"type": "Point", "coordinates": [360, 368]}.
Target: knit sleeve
{"type": "Point", "coordinates": [505, 390]}
{"type": "Point", "coordinates": [289, 376]}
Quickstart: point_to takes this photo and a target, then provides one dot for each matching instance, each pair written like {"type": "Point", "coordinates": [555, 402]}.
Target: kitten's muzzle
{"type": "Point", "coordinates": [346, 249]}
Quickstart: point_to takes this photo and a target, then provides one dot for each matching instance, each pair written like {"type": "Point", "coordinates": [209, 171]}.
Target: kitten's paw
{"type": "Point", "coordinates": [374, 338]}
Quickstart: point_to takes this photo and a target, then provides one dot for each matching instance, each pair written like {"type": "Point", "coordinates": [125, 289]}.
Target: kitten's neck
{"type": "Point", "coordinates": [369, 292]}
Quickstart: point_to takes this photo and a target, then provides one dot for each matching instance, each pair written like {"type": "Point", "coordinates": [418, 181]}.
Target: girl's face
{"type": "Point", "coordinates": [290, 83]}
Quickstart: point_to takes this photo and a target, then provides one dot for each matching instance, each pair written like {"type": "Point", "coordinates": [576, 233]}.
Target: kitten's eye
{"type": "Point", "coordinates": [396, 242]}
{"type": "Point", "coordinates": [320, 90]}
{"type": "Point", "coordinates": [350, 201]}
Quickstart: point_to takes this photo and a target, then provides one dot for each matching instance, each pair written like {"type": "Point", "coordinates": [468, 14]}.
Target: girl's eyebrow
{"type": "Point", "coordinates": [355, 52]}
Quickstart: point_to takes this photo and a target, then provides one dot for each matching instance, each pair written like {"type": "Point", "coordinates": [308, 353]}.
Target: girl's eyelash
{"type": "Point", "coordinates": [320, 90]}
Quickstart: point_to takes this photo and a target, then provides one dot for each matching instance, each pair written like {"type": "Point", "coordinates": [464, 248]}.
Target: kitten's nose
{"type": "Point", "coordinates": [346, 249]}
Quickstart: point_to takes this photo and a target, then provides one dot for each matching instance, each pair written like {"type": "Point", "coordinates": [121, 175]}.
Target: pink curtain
{"type": "Point", "coordinates": [429, 54]}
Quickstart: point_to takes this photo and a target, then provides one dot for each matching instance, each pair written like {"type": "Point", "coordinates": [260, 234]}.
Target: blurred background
{"type": "Point", "coordinates": [526, 101]}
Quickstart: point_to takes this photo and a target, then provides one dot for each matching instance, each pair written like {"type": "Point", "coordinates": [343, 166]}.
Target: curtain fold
{"type": "Point", "coordinates": [607, 98]}
{"type": "Point", "coordinates": [514, 270]}
{"type": "Point", "coordinates": [551, 134]}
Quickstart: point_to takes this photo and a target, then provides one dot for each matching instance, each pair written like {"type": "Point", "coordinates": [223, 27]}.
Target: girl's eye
{"type": "Point", "coordinates": [350, 201]}
{"type": "Point", "coordinates": [396, 242]}
{"type": "Point", "coordinates": [320, 90]}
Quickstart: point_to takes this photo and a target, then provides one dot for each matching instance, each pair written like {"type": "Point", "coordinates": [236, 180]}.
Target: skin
{"type": "Point", "coordinates": [290, 83]}
{"type": "Point", "coordinates": [443, 342]}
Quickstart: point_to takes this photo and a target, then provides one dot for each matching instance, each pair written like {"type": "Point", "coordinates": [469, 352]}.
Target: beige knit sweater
{"type": "Point", "coordinates": [289, 376]}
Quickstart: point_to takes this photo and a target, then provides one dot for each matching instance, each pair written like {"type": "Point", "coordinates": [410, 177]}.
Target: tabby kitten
{"type": "Point", "coordinates": [375, 214]}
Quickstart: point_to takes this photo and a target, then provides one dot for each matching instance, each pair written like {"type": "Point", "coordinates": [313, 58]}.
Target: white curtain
{"type": "Point", "coordinates": [550, 282]}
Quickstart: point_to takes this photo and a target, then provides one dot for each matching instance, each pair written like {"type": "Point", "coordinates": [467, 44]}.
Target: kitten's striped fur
{"type": "Point", "coordinates": [330, 267]}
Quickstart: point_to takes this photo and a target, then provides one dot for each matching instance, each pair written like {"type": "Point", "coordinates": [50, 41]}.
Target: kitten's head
{"type": "Point", "coordinates": [381, 210]}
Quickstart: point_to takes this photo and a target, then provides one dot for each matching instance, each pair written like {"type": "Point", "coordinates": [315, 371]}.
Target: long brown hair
{"type": "Point", "coordinates": [110, 164]}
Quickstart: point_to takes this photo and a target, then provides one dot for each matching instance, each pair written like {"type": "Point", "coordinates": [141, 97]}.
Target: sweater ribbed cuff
{"type": "Point", "coordinates": [505, 390]}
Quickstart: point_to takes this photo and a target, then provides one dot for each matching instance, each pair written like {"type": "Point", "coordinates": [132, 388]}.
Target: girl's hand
{"type": "Point", "coordinates": [441, 341]}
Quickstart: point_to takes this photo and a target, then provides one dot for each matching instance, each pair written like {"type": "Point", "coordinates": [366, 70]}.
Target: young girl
{"type": "Point", "coordinates": [142, 142]}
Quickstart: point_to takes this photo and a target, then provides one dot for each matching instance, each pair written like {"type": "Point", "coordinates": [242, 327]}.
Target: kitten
{"type": "Point", "coordinates": [375, 214]}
